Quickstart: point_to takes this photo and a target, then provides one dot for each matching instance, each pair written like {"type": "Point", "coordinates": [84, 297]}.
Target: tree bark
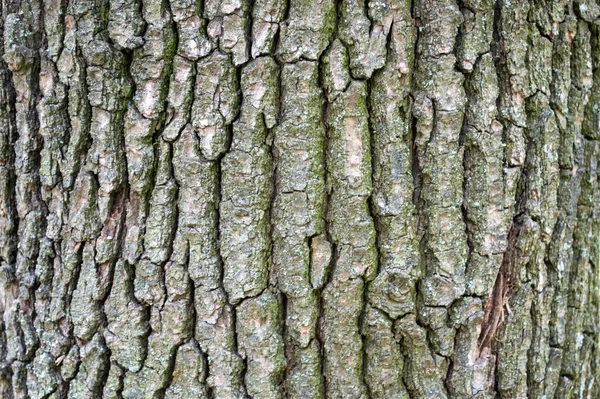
{"type": "Point", "coordinates": [299, 199]}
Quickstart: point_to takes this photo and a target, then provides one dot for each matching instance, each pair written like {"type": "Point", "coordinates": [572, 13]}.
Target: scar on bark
{"type": "Point", "coordinates": [493, 316]}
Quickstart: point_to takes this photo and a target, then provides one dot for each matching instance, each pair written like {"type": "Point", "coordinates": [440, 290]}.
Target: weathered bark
{"type": "Point", "coordinates": [303, 199]}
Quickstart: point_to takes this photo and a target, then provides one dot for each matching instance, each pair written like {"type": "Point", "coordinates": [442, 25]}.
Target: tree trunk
{"type": "Point", "coordinates": [299, 199]}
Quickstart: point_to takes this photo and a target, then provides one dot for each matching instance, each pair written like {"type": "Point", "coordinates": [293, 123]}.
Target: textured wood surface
{"type": "Point", "coordinates": [299, 199]}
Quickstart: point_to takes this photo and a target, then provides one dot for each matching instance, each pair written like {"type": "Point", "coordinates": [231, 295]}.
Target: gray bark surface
{"type": "Point", "coordinates": [299, 199]}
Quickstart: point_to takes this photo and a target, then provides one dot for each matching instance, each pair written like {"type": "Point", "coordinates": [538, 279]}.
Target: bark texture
{"type": "Point", "coordinates": [299, 199]}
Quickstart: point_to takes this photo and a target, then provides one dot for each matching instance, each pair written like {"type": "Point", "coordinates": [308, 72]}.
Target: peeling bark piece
{"type": "Point", "coordinates": [171, 327]}
{"type": "Point", "coordinates": [320, 261]}
{"type": "Point", "coordinates": [422, 378]}
{"type": "Point", "coordinates": [85, 305]}
{"type": "Point", "coordinates": [216, 335]}
{"type": "Point", "coordinates": [384, 363]}
{"type": "Point", "coordinates": [195, 241]}
{"type": "Point", "coordinates": [298, 214]}
{"type": "Point", "coordinates": [179, 99]}
{"type": "Point", "coordinates": [353, 234]}
{"type": "Point", "coordinates": [365, 33]}
{"type": "Point", "coordinates": [470, 373]}
{"type": "Point", "coordinates": [189, 373]}
{"type": "Point", "coordinates": [126, 24]}
{"type": "Point", "coordinates": [336, 75]}
{"type": "Point", "coordinates": [128, 327]}
{"type": "Point", "coordinates": [160, 223]}
{"type": "Point", "coordinates": [475, 34]}
{"type": "Point", "coordinates": [193, 42]}
{"type": "Point", "coordinates": [228, 24]}
{"type": "Point", "coordinates": [114, 382]}
{"type": "Point", "coordinates": [140, 153]}
{"type": "Point", "coordinates": [247, 186]}
{"type": "Point", "coordinates": [215, 103]}
{"type": "Point", "coordinates": [261, 344]}
{"type": "Point", "coordinates": [300, 195]}
{"type": "Point", "coordinates": [349, 163]}
{"type": "Point", "coordinates": [307, 31]}
{"type": "Point", "coordinates": [393, 289]}
{"type": "Point", "coordinates": [342, 344]}
{"type": "Point", "coordinates": [266, 17]}
{"type": "Point", "coordinates": [41, 376]}
{"type": "Point", "coordinates": [439, 109]}
{"type": "Point", "coordinates": [90, 376]}
{"type": "Point", "coordinates": [152, 61]}
{"type": "Point", "coordinates": [303, 378]}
